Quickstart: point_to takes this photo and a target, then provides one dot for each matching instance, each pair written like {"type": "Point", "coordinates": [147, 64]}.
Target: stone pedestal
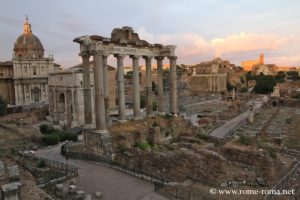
{"type": "Point", "coordinates": [99, 142]}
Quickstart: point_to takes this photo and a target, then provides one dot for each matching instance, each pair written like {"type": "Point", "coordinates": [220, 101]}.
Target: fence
{"type": "Point", "coordinates": [181, 193]}
{"type": "Point", "coordinates": [70, 170]}
{"type": "Point", "coordinates": [137, 172]}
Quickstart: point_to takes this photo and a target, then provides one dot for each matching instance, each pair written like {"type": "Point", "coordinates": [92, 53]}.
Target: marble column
{"type": "Point", "coordinates": [148, 86]}
{"type": "Point", "coordinates": [99, 92]}
{"type": "Point", "coordinates": [106, 88]}
{"type": "Point", "coordinates": [173, 85]}
{"type": "Point", "coordinates": [66, 105]}
{"type": "Point", "coordinates": [136, 87]}
{"type": "Point", "coordinates": [121, 87]}
{"type": "Point", "coordinates": [88, 119]}
{"type": "Point", "coordinates": [160, 84]}
{"type": "Point", "coordinates": [73, 104]}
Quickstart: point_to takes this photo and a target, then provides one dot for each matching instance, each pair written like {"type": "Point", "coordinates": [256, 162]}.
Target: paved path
{"type": "Point", "coordinates": [97, 178]}
{"type": "Point", "coordinates": [229, 126]}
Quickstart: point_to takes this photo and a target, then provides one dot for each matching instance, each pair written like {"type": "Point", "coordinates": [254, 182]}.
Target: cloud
{"type": "Point", "coordinates": [193, 48]}
{"type": "Point", "coordinates": [249, 42]}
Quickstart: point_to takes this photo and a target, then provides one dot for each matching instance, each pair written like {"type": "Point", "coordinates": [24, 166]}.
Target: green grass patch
{"type": "Point", "coordinates": [245, 140]}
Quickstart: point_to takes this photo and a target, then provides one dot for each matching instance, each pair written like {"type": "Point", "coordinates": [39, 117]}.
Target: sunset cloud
{"type": "Point", "coordinates": [192, 47]}
{"type": "Point", "coordinates": [249, 42]}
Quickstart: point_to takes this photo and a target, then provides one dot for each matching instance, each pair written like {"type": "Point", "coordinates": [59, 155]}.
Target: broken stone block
{"type": "Point", "coordinates": [2, 170]}
{"type": "Point", "coordinates": [59, 189]}
{"type": "Point", "coordinates": [13, 173]}
{"type": "Point", "coordinates": [80, 195]}
{"type": "Point", "coordinates": [73, 181]}
{"type": "Point", "coordinates": [98, 195]}
{"type": "Point", "coordinates": [11, 190]}
{"type": "Point", "coordinates": [261, 182]}
{"type": "Point", "coordinates": [88, 197]}
{"type": "Point", "coordinates": [72, 189]}
{"type": "Point", "coordinates": [235, 184]}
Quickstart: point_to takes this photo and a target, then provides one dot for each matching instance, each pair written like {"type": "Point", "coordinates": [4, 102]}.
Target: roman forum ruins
{"type": "Point", "coordinates": [123, 42]}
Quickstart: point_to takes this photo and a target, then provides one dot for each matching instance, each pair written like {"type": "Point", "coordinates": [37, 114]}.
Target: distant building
{"type": "Point", "coordinates": [266, 69]}
{"type": "Point", "coordinates": [208, 77]}
{"type": "Point", "coordinates": [7, 82]}
{"type": "Point", "coordinates": [248, 65]}
{"type": "Point", "coordinates": [24, 80]}
{"type": "Point", "coordinates": [66, 105]}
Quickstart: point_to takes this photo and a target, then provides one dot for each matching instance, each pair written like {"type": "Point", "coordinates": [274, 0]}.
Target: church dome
{"type": "Point", "coordinates": [28, 45]}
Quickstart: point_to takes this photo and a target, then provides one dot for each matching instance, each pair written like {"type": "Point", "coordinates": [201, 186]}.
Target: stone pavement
{"type": "Point", "coordinates": [231, 125]}
{"type": "Point", "coordinates": [113, 184]}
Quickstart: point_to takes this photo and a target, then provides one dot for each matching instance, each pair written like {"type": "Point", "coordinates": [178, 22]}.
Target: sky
{"type": "Point", "coordinates": [234, 30]}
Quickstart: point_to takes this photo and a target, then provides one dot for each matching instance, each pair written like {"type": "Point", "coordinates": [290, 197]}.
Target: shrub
{"type": "Point", "coordinates": [67, 136]}
{"type": "Point", "coordinates": [155, 124]}
{"type": "Point", "coordinates": [41, 164]}
{"type": "Point", "coordinates": [51, 139]}
{"type": "Point", "coordinates": [244, 89]}
{"type": "Point", "coordinates": [203, 136]}
{"type": "Point", "coordinates": [154, 106]}
{"type": "Point", "coordinates": [272, 152]}
{"type": "Point", "coordinates": [245, 140]}
{"type": "Point", "coordinates": [143, 145]}
{"type": "Point", "coordinates": [155, 147]}
{"type": "Point", "coordinates": [46, 129]}
{"type": "Point", "coordinates": [168, 116]}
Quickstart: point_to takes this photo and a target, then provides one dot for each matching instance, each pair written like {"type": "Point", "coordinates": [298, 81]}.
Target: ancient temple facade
{"type": "Point", "coordinates": [123, 42]}
{"type": "Point", "coordinates": [30, 68]}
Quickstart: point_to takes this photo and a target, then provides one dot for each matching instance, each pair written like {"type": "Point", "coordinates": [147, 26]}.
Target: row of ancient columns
{"type": "Point", "coordinates": [102, 92]}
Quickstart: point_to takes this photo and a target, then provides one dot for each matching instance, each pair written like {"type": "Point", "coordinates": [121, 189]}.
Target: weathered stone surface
{"type": "Point", "coordinates": [2, 170]}
{"type": "Point", "coordinates": [11, 191]}
{"type": "Point", "coordinates": [13, 173]}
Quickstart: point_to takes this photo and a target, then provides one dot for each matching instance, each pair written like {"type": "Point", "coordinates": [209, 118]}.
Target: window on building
{"type": "Point", "coordinates": [34, 71]}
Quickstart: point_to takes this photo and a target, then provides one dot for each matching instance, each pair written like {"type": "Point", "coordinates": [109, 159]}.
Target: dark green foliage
{"type": "Point", "coordinates": [3, 106]}
{"type": "Point", "coordinates": [203, 136]}
{"type": "Point", "coordinates": [264, 84]}
{"type": "Point", "coordinates": [155, 124]}
{"type": "Point", "coordinates": [41, 164]}
{"type": "Point", "coordinates": [229, 87]}
{"type": "Point", "coordinates": [272, 152]}
{"type": "Point", "coordinates": [154, 105]}
{"type": "Point", "coordinates": [245, 140]}
{"type": "Point", "coordinates": [143, 145]}
{"type": "Point", "coordinates": [51, 139]}
{"type": "Point", "coordinates": [128, 75]}
{"type": "Point", "coordinates": [46, 129]}
{"type": "Point", "coordinates": [280, 77]}
{"type": "Point", "coordinates": [143, 100]}
{"type": "Point", "coordinates": [242, 80]}
{"type": "Point", "coordinates": [67, 136]}
{"type": "Point", "coordinates": [244, 89]}
{"type": "Point", "coordinates": [168, 116]}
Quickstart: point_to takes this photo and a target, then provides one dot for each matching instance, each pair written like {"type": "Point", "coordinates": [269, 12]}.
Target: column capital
{"type": "Point", "coordinates": [119, 55]}
{"type": "Point", "coordinates": [134, 57]}
{"type": "Point", "coordinates": [97, 53]}
{"type": "Point", "coordinates": [147, 57]}
{"type": "Point", "coordinates": [159, 57]}
{"type": "Point", "coordinates": [105, 54]}
{"type": "Point", "coordinates": [172, 57]}
{"type": "Point", "coordinates": [84, 54]}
